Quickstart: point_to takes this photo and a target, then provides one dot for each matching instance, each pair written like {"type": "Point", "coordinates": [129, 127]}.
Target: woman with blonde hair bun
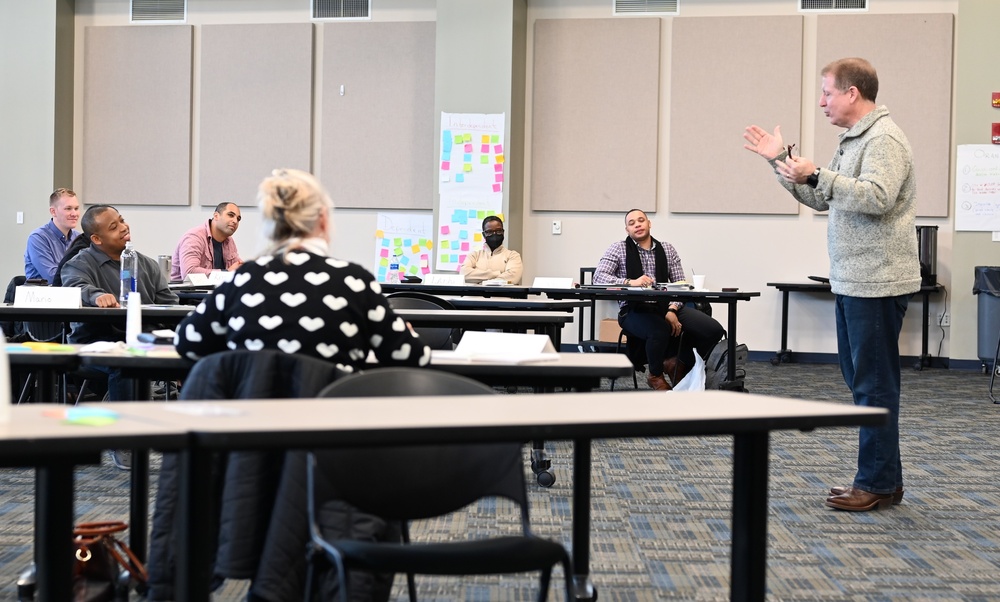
{"type": "Point", "coordinates": [297, 298]}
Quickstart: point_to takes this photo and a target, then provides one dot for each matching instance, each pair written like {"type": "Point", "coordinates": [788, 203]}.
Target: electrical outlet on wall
{"type": "Point", "coordinates": [944, 318]}
{"type": "Point", "coordinates": [556, 227]}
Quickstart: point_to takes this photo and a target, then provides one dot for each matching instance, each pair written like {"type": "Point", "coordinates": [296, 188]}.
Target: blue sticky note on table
{"type": "Point", "coordinates": [460, 177]}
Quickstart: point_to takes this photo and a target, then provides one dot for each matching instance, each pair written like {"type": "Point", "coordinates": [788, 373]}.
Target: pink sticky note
{"type": "Point", "coordinates": [496, 188]}
{"type": "Point", "coordinates": [498, 148]}
{"type": "Point", "coordinates": [468, 148]}
{"type": "Point", "coordinates": [425, 270]}
{"type": "Point", "coordinates": [498, 167]}
{"type": "Point", "coordinates": [485, 149]}
{"type": "Point", "coordinates": [498, 177]}
{"type": "Point", "coordinates": [465, 246]}
{"type": "Point", "coordinates": [384, 252]}
{"type": "Point", "coordinates": [445, 165]}
{"type": "Point", "coordinates": [461, 259]}
{"type": "Point", "coordinates": [445, 229]}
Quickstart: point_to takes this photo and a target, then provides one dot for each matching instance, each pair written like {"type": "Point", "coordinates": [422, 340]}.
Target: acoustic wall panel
{"type": "Point", "coordinates": [595, 108]}
{"type": "Point", "coordinates": [137, 115]}
{"type": "Point", "coordinates": [913, 57]}
{"type": "Point", "coordinates": [256, 107]}
{"type": "Point", "coordinates": [721, 81]}
{"type": "Point", "coordinates": [377, 113]}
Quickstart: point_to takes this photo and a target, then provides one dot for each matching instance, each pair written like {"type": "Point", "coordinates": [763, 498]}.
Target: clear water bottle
{"type": "Point", "coordinates": [129, 272]}
{"type": "Point", "coordinates": [393, 275]}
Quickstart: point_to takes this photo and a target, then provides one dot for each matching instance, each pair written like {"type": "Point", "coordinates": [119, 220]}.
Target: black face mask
{"type": "Point", "coordinates": [493, 241]}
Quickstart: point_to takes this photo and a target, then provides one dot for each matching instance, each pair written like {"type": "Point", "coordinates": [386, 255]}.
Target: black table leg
{"type": "Point", "coordinates": [194, 564]}
{"type": "Point", "coordinates": [583, 589]}
{"type": "Point", "coordinates": [784, 354]}
{"type": "Point", "coordinates": [925, 358]}
{"type": "Point", "coordinates": [749, 553]}
{"type": "Point", "coordinates": [731, 333]}
{"type": "Point", "coordinates": [139, 496]}
{"type": "Point", "coordinates": [54, 525]}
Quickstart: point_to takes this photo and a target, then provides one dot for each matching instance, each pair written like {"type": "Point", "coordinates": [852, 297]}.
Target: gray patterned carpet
{"type": "Point", "coordinates": [662, 508]}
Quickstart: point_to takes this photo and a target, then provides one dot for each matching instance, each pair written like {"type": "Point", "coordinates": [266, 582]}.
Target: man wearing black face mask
{"type": "Point", "coordinates": [493, 261]}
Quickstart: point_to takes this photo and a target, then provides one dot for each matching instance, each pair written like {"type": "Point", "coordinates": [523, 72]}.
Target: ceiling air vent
{"type": "Point", "coordinates": [645, 7]}
{"type": "Point", "coordinates": [152, 11]}
{"type": "Point", "coordinates": [341, 9]}
{"type": "Point", "coordinates": [816, 5]}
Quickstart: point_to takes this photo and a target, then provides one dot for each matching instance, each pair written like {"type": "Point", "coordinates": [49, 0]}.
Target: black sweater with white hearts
{"type": "Point", "coordinates": [304, 303]}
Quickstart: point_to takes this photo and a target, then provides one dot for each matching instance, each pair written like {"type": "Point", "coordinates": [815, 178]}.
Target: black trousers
{"type": "Point", "coordinates": [700, 332]}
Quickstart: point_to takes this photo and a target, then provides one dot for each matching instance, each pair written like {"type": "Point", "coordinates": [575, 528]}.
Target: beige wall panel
{"type": "Point", "coordinates": [595, 111]}
{"type": "Point", "coordinates": [377, 139]}
{"type": "Point", "coordinates": [256, 107]}
{"type": "Point", "coordinates": [913, 57]}
{"type": "Point", "coordinates": [722, 81]}
{"type": "Point", "coordinates": [137, 115]}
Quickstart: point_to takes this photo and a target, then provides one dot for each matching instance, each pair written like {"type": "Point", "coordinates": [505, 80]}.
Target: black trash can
{"type": "Point", "coordinates": [987, 285]}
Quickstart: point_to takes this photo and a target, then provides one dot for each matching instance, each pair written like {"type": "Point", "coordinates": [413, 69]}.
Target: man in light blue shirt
{"type": "Point", "coordinates": [48, 244]}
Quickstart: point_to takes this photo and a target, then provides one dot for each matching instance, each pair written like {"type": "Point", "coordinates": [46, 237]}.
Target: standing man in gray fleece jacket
{"type": "Point", "coordinates": [870, 192]}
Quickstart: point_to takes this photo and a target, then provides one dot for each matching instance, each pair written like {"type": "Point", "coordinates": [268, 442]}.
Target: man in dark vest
{"type": "Point", "coordinates": [641, 260]}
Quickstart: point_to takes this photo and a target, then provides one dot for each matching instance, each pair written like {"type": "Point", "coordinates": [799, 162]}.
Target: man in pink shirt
{"type": "Point", "coordinates": [209, 246]}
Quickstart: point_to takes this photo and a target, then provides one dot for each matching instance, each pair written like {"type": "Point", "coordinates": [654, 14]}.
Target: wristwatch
{"type": "Point", "coordinates": [813, 180]}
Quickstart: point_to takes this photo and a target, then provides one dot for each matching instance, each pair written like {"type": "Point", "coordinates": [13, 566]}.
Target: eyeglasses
{"type": "Point", "coordinates": [790, 147]}
{"type": "Point", "coordinates": [492, 232]}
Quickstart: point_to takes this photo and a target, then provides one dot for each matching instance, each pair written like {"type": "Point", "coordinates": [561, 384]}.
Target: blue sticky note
{"type": "Point", "coordinates": [446, 156]}
{"type": "Point", "coordinates": [460, 216]}
{"type": "Point", "coordinates": [446, 141]}
{"type": "Point", "coordinates": [404, 260]}
{"type": "Point", "coordinates": [407, 242]}
{"type": "Point", "coordinates": [468, 158]}
{"type": "Point", "coordinates": [460, 177]}
{"type": "Point", "coordinates": [381, 274]}
{"type": "Point", "coordinates": [464, 234]}
{"type": "Point", "coordinates": [454, 258]}
{"type": "Point", "coordinates": [385, 242]}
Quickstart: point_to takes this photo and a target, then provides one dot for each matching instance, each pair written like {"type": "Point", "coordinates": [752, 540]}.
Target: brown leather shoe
{"type": "Point", "coordinates": [675, 370]}
{"type": "Point", "coordinates": [657, 383]}
{"type": "Point", "coordinates": [897, 496]}
{"type": "Point", "coordinates": [859, 500]}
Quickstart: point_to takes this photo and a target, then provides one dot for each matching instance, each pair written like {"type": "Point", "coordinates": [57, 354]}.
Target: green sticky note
{"type": "Point", "coordinates": [484, 159]}
{"type": "Point", "coordinates": [458, 138]}
{"type": "Point", "coordinates": [467, 138]}
{"type": "Point", "coordinates": [495, 138]}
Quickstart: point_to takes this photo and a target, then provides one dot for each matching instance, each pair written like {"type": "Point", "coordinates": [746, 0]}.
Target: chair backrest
{"type": "Point", "coordinates": [419, 481]}
{"type": "Point", "coordinates": [267, 373]}
{"type": "Point", "coordinates": [435, 338]}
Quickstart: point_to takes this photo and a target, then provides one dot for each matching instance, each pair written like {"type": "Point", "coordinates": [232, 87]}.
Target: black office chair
{"type": "Point", "coordinates": [416, 482]}
{"type": "Point", "coordinates": [435, 338]}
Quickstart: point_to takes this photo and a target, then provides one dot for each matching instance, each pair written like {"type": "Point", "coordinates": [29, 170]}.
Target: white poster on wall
{"type": "Point", "coordinates": [409, 237]}
{"type": "Point", "coordinates": [471, 176]}
{"type": "Point", "coordinates": [977, 188]}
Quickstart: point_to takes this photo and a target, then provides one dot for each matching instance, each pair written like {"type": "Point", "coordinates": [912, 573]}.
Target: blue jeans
{"type": "Point", "coordinates": [868, 347]}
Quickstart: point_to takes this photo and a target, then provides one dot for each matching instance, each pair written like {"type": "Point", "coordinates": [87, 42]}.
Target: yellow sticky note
{"type": "Point", "coordinates": [429, 244]}
{"type": "Point", "coordinates": [499, 158]}
{"type": "Point", "coordinates": [379, 234]}
{"type": "Point", "coordinates": [477, 237]}
{"type": "Point", "coordinates": [486, 139]}
{"type": "Point", "coordinates": [415, 248]}
{"type": "Point", "coordinates": [467, 167]}
{"type": "Point", "coordinates": [445, 244]}
{"type": "Point", "coordinates": [467, 138]}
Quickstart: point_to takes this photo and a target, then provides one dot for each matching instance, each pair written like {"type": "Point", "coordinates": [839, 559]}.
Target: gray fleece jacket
{"type": "Point", "coordinates": [870, 191]}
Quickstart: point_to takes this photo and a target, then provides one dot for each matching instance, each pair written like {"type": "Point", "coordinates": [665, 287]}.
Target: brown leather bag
{"type": "Point", "coordinates": [100, 560]}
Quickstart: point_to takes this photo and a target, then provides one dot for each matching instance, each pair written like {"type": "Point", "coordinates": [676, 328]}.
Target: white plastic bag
{"type": "Point", "coordinates": [695, 379]}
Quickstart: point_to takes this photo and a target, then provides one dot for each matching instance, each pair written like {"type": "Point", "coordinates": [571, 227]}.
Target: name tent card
{"type": "Point", "coordinates": [505, 347]}
{"type": "Point", "coordinates": [444, 279]}
{"type": "Point", "coordinates": [58, 297]}
{"type": "Point", "coordinates": [547, 282]}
